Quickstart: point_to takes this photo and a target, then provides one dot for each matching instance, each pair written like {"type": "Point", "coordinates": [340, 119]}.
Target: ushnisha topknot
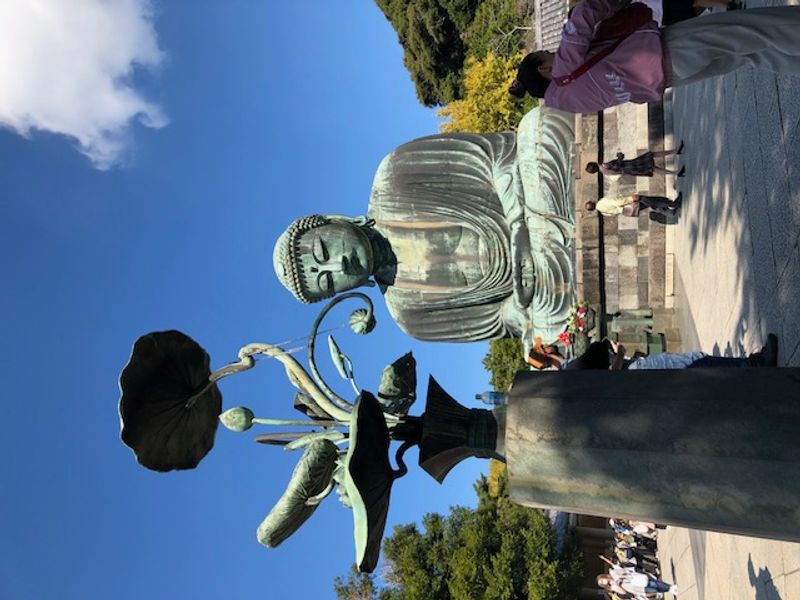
{"type": "Point", "coordinates": [285, 256]}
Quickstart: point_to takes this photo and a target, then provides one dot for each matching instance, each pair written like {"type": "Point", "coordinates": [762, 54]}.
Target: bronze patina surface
{"type": "Point", "coordinates": [469, 236]}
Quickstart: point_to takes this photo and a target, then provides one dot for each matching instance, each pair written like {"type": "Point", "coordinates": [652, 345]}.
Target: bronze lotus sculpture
{"type": "Point", "coordinates": [171, 404]}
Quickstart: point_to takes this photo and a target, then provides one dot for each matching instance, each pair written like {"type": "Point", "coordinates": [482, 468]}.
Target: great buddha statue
{"type": "Point", "coordinates": [469, 237]}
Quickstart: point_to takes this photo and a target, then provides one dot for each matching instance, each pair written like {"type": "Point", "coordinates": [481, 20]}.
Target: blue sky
{"type": "Point", "coordinates": [255, 113]}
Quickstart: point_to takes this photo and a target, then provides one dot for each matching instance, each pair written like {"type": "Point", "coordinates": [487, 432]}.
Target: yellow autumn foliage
{"type": "Point", "coordinates": [487, 106]}
{"type": "Point", "coordinates": [497, 476]}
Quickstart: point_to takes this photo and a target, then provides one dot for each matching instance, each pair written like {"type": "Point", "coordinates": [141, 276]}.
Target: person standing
{"type": "Point", "coordinates": [628, 580]}
{"type": "Point", "coordinates": [630, 205]}
{"type": "Point", "coordinates": [587, 75]}
{"type": "Point", "coordinates": [642, 166]}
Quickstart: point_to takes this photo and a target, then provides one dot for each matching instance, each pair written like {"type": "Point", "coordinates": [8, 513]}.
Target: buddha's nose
{"type": "Point", "coordinates": [336, 266]}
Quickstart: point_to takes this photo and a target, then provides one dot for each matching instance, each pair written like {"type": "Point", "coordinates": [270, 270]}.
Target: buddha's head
{"type": "Point", "coordinates": [320, 256]}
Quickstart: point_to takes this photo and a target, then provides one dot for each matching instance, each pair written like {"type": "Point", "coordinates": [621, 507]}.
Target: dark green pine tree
{"type": "Point", "coordinates": [430, 32]}
{"type": "Point", "coordinates": [504, 359]}
{"type": "Point", "coordinates": [499, 26]}
{"type": "Point", "coordinates": [499, 551]}
{"type": "Point", "coordinates": [359, 586]}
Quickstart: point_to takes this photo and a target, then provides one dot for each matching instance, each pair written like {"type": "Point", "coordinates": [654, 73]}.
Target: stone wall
{"type": "Point", "coordinates": [549, 19]}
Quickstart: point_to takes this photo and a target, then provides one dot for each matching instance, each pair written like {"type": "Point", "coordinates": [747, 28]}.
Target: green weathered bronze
{"type": "Point", "coordinates": [311, 481]}
{"type": "Point", "coordinates": [368, 479]}
{"type": "Point", "coordinates": [469, 237]}
{"type": "Point", "coordinates": [452, 433]}
{"type": "Point", "coordinates": [715, 449]}
{"type": "Point", "coordinates": [397, 390]}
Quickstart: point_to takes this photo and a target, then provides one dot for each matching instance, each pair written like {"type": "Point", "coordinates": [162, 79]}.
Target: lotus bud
{"type": "Point", "coordinates": [237, 419]}
{"type": "Point", "coordinates": [360, 321]}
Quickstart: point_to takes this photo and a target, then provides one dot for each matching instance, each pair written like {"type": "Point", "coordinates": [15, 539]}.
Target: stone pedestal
{"type": "Point", "coordinates": [715, 449]}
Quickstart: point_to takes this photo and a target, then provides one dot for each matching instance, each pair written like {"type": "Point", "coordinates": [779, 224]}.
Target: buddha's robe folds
{"type": "Point", "coordinates": [453, 207]}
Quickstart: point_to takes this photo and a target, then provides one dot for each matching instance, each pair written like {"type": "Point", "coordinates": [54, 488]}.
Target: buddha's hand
{"type": "Point", "coordinates": [522, 271]}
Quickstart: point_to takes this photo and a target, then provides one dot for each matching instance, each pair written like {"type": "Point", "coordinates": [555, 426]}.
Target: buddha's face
{"type": "Point", "coordinates": [334, 258]}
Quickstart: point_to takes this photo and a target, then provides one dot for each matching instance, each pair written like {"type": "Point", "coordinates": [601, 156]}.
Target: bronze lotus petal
{"type": "Point", "coordinates": [368, 479]}
{"type": "Point", "coordinates": [311, 476]}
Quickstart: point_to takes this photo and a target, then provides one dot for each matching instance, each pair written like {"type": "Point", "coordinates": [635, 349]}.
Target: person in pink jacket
{"type": "Point", "coordinates": [651, 59]}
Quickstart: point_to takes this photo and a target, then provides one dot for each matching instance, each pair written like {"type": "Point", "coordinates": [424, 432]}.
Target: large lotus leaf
{"type": "Point", "coordinates": [398, 387]}
{"type": "Point", "coordinates": [168, 409]}
{"type": "Point", "coordinates": [312, 476]}
{"type": "Point", "coordinates": [368, 479]}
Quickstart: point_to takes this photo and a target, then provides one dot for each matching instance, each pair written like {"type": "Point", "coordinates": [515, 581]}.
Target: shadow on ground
{"type": "Point", "coordinates": [762, 582]}
{"type": "Point", "coordinates": [741, 213]}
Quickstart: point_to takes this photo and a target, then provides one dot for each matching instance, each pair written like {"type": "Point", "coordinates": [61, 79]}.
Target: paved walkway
{"type": "Point", "coordinates": [737, 261]}
{"type": "Point", "coordinates": [737, 278]}
{"type": "Point", "coordinates": [716, 566]}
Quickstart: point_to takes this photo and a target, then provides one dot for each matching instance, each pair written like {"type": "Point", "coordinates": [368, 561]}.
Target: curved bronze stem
{"type": "Point", "coordinates": [312, 344]}
{"type": "Point", "coordinates": [402, 469]}
{"type": "Point", "coordinates": [306, 383]}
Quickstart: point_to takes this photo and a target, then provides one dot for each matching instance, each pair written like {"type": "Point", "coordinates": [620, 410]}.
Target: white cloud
{"type": "Point", "coordinates": [66, 65]}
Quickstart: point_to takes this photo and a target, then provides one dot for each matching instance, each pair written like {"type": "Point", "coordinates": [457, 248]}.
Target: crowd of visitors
{"type": "Point", "coordinates": [608, 354]}
{"type": "Point", "coordinates": [634, 571]}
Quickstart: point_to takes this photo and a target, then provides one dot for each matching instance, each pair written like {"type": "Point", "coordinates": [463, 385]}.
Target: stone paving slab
{"type": "Point", "coordinates": [737, 278]}
{"type": "Point", "coordinates": [715, 566]}
{"type": "Point", "coordinates": [736, 246]}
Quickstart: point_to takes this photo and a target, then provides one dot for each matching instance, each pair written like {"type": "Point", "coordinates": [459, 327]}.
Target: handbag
{"type": "Point", "coordinates": [618, 26]}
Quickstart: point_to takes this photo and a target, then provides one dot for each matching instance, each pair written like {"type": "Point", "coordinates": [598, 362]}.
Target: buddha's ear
{"type": "Point", "coordinates": [361, 221]}
{"type": "Point", "coordinates": [364, 221]}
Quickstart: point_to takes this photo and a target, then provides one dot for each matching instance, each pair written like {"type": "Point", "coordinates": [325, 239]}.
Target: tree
{"type": "Point", "coordinates": [357, 586]}
{"type": "Point", "coordinates": [437, 36]}
{"type": "Point", "coordinates": [499, 26]}
{"type": "Point", "coordinates": [419, 561]}
{"type": "Point", "coordinates": [504, 359]}
{"type": "Point", "coordinates": [499, 551]}
{"type": "Point", "coordinates": [496, 478]}
{"type": "Point", "coordinates": [430, 33]}
{"type": "Point", "coordinates": [487, 106]}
